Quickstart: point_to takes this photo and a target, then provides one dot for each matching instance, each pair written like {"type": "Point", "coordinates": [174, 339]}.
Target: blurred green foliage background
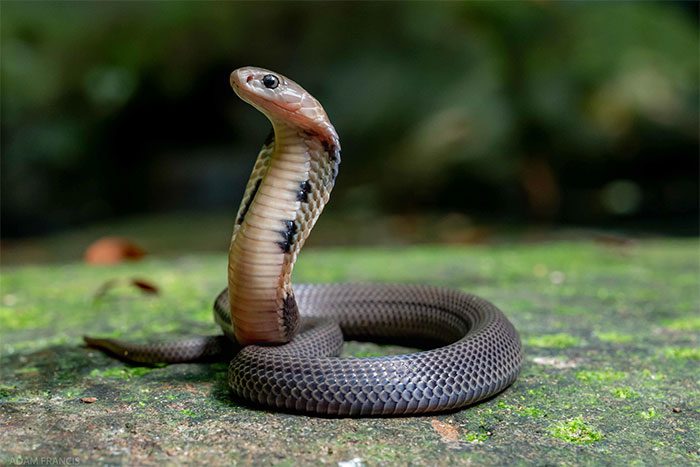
{"type": "Point", "coordinates": [553, 113]}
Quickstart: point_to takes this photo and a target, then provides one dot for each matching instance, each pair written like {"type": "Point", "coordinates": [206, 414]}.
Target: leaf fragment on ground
{"type": "Point", "coordinates": [144, 285]}
{"type": "Point", "coordinates": [113, 250]}
{"type": "Point", "coordinates": [448, 433]}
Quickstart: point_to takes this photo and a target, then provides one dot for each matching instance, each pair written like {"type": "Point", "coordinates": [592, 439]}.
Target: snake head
{"type": "Point", "coordinates": [282, 101]}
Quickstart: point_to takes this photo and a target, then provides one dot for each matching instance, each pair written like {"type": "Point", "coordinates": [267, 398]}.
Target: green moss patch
{"type": "Point", "coordinates": [531, 412]}
{"type": "Point", "coordinates": [121, 372]}
{"type": "Point", "coordinates": [576, 431]}
{"type": "Point", "coordinates": [614, 337]}
{"type": "Point", "coordinates": [684, 353]}
{"type": "Point", "coordinates": [648, 414]}
{"type": "Point", "coordinates": [476, 437]}
{"type": "Point", "coordinates": [600, 375]}
{"type": "Point", "coordinates": [690, 323]}
{"type": "Point", "coordinates": [624, 393]}
{"type": "Point", "coordinates": [554, 341]}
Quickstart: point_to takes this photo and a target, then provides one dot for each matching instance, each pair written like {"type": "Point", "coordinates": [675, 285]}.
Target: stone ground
{"type": "Point", "coordinates": [611, 375]}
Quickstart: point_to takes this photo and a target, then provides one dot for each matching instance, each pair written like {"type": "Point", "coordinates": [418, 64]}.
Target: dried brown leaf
{"type": "Point", "coordinates": [112, 250]}
{"type": "Point", "coordinates": [145, 286]}
{"type": "Point", "coordinates": [448, 433]}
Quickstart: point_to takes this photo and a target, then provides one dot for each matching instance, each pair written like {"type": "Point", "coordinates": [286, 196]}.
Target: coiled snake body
{"type": "Point", "coordinates": [478, 351]}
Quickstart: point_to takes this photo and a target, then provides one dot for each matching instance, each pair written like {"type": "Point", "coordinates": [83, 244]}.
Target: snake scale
{"type": "Point", "coordinates": [284, 341]}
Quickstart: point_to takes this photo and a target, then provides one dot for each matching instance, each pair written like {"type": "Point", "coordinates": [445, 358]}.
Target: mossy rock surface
{"type": "Point", "coordinates": [611, 372]}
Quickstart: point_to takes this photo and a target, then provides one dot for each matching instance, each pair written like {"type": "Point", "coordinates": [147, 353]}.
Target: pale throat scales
{"type": "Point", "coordinates": [277, 213]}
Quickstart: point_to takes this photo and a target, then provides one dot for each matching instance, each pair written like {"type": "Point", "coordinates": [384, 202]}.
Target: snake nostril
{"type": "Point", "coordinates": [249, 79]}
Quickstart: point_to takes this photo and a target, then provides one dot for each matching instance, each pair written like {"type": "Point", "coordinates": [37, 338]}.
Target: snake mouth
{"type": "Point", "coordinates": [268, 105]}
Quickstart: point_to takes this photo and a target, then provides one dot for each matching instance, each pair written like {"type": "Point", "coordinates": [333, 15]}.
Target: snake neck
{"type": "Point", "coordinates": [288, 189]}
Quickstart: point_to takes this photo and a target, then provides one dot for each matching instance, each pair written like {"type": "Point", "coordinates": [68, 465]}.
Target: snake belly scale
{"type": "Point", "coordinates": [284, 340]}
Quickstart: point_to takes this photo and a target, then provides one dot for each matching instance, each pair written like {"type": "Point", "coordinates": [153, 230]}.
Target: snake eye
{"type": "Point", "coordinates": [270, 81]}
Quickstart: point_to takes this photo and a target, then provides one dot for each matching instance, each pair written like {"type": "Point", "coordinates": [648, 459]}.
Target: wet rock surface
{"type": "Point", "coordinates": [611, 372]}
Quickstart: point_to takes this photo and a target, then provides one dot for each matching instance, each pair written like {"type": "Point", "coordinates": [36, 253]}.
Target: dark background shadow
{"type": "Point", "coordinates": [462, 113]}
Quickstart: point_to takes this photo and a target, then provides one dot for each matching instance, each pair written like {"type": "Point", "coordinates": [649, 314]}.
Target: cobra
{"type": "Point", "coordinates": [284, 340]}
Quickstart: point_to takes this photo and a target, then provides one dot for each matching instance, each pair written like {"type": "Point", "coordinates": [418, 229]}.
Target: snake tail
{"type": "Point", "coordinates": [192, 349]}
